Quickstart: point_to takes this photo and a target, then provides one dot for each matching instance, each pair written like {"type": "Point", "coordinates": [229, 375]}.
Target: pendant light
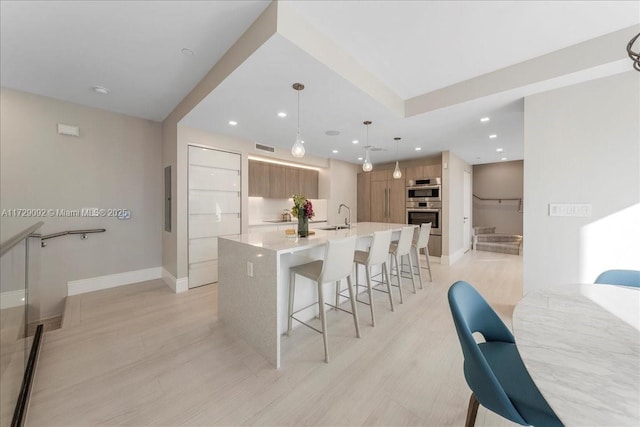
{"type": "Point", "coordinates": [367, 166]}
{"type": "Point", "coordinates": [297, 150]}
{"type": "Point", "coordinates": [397, 173]}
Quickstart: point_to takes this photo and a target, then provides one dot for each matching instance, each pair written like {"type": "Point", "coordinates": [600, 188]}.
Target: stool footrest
{"type": "Point", "coordinates": [306, 324]}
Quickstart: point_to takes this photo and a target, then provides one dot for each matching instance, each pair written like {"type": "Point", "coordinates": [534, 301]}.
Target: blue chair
{"type": "Point", "coordinates": [493, 369]}
{"type": "Point", "coordinates": [620, 277]}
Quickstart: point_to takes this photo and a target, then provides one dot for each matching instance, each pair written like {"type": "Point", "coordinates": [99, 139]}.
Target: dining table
{"type": "Point", "coordinates": [581, 346]}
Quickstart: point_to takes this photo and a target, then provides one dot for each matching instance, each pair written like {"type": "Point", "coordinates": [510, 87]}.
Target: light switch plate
{"type": "Point", "coordinates": [570, 209]}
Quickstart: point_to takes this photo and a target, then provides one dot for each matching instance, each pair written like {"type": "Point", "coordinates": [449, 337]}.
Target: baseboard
{"type": "Point", "coordinates": [11, 299]}
{"type": "Point", "coordinates": [452, 259]}
{"type": "Point", "coordinates": [176, 285]}
{"type": "Point", "coordinates": [83, 286]}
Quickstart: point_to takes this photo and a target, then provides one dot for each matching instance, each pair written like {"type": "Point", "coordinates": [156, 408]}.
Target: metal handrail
{"type": "Point", "coordinates": [518, 199]}
{"type": "Point", "coordinates": [498, 200]}
{"type": "Point", "coordinates": [64, 233]}
{"type": "Point", "coordinates": [11, 242]}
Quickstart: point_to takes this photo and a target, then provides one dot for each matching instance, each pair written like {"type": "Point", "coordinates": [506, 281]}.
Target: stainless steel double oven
{"type": "Point", "coordinates": [424, 204]}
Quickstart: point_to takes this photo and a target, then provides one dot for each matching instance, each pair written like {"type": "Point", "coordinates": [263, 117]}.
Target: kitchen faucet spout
{"type": "Point", "coordinates": [347, 222]}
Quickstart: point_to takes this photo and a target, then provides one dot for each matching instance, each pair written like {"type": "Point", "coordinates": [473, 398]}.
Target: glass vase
{"type": "Point", "coordinates": [303, 226]}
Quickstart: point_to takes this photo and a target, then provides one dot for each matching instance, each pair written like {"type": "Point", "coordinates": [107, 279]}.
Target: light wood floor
{"type": "Point", "coordinates": [141, 355]}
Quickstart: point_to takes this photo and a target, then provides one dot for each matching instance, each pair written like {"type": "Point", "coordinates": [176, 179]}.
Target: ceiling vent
{"type": "Point", "coordinates": [267, 148]}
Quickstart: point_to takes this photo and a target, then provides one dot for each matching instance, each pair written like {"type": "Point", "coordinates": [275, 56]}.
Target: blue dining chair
{"type": "Point", "coordinates": [493, 369]}
{"type": "Point", "coordinates": [620, 277]}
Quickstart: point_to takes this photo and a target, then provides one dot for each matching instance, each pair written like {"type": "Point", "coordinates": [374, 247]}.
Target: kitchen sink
{"type": "Point", "coordinates": [335, 227]}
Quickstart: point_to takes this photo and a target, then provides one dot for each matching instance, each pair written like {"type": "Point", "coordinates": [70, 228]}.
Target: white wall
{"type": "Point", "coordinates": [343, 188]}
{"type": "Point", "coordinates": [495, 180]}
{"type": "Point", "coordinates": [453, 206]}
{"type": "Point", "coordinates": [187, 136]}
{"type": "Point", "coordinates": [114, 163]}
{"type": "Point", "coordinates": [582, 145]}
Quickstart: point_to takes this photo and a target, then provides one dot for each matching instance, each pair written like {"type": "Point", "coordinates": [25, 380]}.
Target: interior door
{"type": "Point", "coordinates": [466, 211]}
{"type": "Point", "coordinates": [214, 209]}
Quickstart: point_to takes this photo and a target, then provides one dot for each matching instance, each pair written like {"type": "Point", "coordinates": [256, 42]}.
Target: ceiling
{"type": "Point", "coordinates": [62, 49]}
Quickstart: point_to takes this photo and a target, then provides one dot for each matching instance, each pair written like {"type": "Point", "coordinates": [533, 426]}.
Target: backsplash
{"type": "Point", "coordinates": [261, 209]}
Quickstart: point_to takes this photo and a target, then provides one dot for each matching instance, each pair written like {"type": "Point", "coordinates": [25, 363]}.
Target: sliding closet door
{"type": "Point", "coordinates": [214, 209]}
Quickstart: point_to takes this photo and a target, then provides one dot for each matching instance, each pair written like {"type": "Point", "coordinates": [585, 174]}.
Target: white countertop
{"type": "Point", "coordinates": [581, 346]}
{"type": "Point", "coordinates": [279, 242]}
{"type": "Point", "coordinates": [265, 222]}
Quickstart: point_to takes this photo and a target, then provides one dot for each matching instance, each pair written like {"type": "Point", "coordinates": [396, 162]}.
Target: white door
{"type": "Point", "coordinates": [214, 209]}
{"type": "Point", "coordinates": [466, 211]}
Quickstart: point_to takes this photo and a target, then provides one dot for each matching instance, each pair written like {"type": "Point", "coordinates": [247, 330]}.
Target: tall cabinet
{"type": "Point", "coordinates": [387, 197]}
{"type": "Point", "coordinates": [214, 209]}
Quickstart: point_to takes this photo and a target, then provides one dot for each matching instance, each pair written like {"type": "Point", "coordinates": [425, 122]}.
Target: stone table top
{"type": "Point", "coordinates": [581, 345]}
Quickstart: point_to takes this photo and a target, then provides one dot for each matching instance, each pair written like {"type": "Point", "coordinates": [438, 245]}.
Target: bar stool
{"type": "Point", "coordinates": [421, 241]}
{"type": "Point", "coordinates": [400, 249]}
{"type": "Point", "coordinates": [337, 264]}
{"type": "Point", "coordinates": [377, 255]}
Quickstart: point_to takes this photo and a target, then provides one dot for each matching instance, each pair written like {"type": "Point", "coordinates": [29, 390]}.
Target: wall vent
{"type": "Point", "coordinates": [266, 148]}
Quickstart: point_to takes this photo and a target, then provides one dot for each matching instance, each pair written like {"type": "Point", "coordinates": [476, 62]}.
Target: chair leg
{"type": "Point", "coordinates": [354, 306]}
{"type": "Point", "coordinates": [357, 280]}
{"type": "Point", "coordinates": [398, 276]}
{"type": "Point", "coordinates": [472, 411]}
{"type": "Point", "coordinates": [323, 320]}
{"type": "Point", "coordinates": [292, 288]}
{"type": "Point", "coordinates": [413, 280]}
{"type": "Point", "coordinates": [373, 318]}
{"type": "Point", "coordinates": [385, 273]}
{"type": "Point", "coordinates": [337, 304]}
{"type": "Point", "coordinates": [417, 252]}
{"type": "Point", "coordinates": [426, 254]}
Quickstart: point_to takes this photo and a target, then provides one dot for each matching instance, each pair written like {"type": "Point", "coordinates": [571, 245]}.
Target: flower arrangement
{"type": "Point", "coordinates": [302, 206]}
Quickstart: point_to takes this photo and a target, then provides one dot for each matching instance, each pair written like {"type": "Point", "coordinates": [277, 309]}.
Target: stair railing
{"type": "Point", "coordinates": [499, 200]}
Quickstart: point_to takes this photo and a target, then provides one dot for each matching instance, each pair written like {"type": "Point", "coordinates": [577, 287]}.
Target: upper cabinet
{"type": "Point", "coordinates": [423, 171]}
{"type": "Point", "coordinates": [274, 181]}
{"type": "Point", "coordinates": [258, 179]}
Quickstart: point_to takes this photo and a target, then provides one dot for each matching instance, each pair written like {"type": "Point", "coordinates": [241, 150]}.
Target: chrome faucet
{"type": "Point", "coordinates": [347, 222]}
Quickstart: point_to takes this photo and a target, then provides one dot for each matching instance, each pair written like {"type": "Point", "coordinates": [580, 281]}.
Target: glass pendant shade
{"type": "Point", "coordinates": [397, 174]}
{"type": "Point", "coordinates": [367, 166]}
{"type": "Point", "coordinates": [297, 150]}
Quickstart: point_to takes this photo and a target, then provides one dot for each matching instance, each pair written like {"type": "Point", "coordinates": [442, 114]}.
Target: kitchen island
{"type": "Point", "coordinates": [253, 282]}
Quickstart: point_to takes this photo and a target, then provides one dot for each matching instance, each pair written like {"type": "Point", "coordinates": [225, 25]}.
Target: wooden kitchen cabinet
{"type": "Point", "coordinates": [387, 197]}
{"type": "Point", "coordinates": [302, 181]}
{"type": "Point", "coordinates": [276, 181]}
{"type": "Point", "coordinates": [258, 179]}
{"type": "Point", "coordinates": [364, 197]}
{"type": "Point", "coordinates": [423, 171]}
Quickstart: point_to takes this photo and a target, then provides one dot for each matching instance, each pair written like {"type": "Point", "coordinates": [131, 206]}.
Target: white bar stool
{"type": "Point", "coordinates": [377, 255]}
{"type": "Point", "coordinates": [400, 249]}
{"type": "Point", "coordinates": [421, 241]}
{"type": "Point", "coordinates": [337, 264]}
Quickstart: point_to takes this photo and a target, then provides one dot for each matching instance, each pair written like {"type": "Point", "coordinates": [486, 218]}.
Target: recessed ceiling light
{"type": "Point", "coordinates": [359, 158]}
{"type": "Point", "coordinates": [499, 150]}
{"type": "Point", "coordinates": [418, 148]}
{"type": "Point", "coordinates": [334, 151]}
{"type": "Point", "coordinates": [187, 51]}
{"type": "Point", "coordinates": [493, 136]}
{"type": "Point", "coordinates": [503, 159]}
{"type": "Point", "coordinates": [332, 132]}
{"type": "Point", "coordinates": [101, 90]}
{"type": "Point", "coordinates": [232, 123]}
{"type": "Point", "coordinates": [355, 141]}
{"type": "Point", "coordinates": [484, 119]}
{"type": "Point", "coordinates": [282, 114]}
